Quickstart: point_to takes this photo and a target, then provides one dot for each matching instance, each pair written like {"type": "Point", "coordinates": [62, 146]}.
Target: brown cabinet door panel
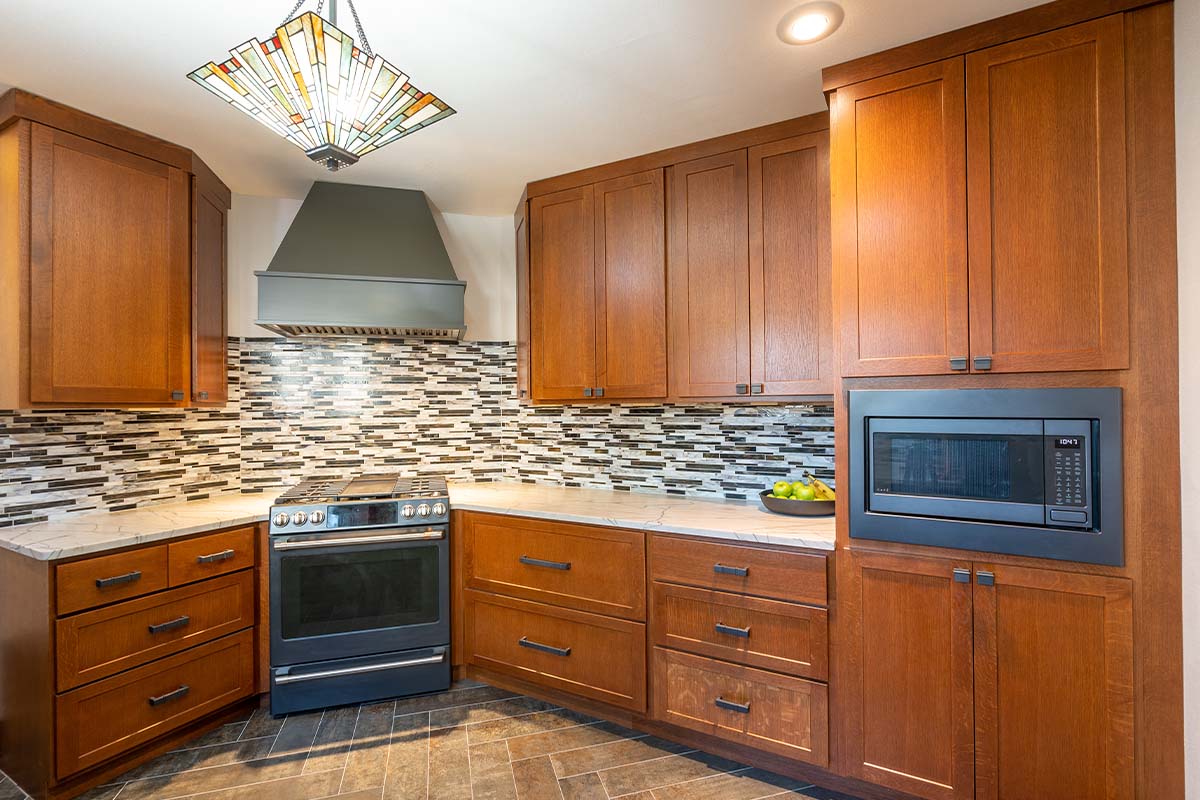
{"type": "Point", "coordinates": [1053, 685]}
{"type": "Point", "coordinates": [209, 370]}
{"type": "Point", "coordinates": [108, 275]}
{"type": "Point", "coordinates": [791, 318]}
{"type": "Point", "coordinates": [899, 241]}
{"type": "Point", "coordinates": [631, 286]}
{"type": "Point", "coordinates": [1046, 148]}
{"type": "Point", "coordinates": [102, 580]}
{"type": "Point", "coordinates": [208, 556]}
{"type": "Point", "coordinates": [562, 294]}
{"type": "Point", "coordinates": [521, 234]}
{"type": "Point", "coordinates": [709, 286]}
{"type": "Point", "coordinates": [798, 577]}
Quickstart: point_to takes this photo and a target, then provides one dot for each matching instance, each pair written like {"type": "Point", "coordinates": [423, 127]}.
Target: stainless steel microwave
{"type": "Point", "coordinates": [1034, 472]}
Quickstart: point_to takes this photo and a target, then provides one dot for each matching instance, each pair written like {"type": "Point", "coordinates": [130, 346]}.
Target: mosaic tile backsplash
{"type": "Point", "coordinates": [337, 406]}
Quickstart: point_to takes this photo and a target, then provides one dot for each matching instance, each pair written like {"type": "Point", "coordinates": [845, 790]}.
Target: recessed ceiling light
{"type": "Point", "coordinates": [810, 22]}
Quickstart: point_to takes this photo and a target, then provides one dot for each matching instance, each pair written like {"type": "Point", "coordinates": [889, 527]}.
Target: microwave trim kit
{"type": "Point", "coordinates": [1073, 441]}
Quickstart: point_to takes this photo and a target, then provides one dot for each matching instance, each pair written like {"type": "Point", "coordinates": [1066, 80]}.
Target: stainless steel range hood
{"type": "Point", "coordinates": [362, 261]}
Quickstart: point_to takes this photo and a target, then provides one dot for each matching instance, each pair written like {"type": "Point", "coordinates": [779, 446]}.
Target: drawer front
{"type": "Point", "coordinates": [774, 713]}
{"type": "Point", "coordinates": [103, 642]}
{"type": "Point", "coordinates": [208, 556]}
{"type": "Point", "coordinates": [749, 630]}
{"type": "Point", "coordinates": [584, 567]}
{"type": "Point", "coordinates": [794, 576]}
{"type": "Point", "coordinates": [107, 718]}
{"type": "Point", "coordinates": [585, 654]}
{"type": "Point", "coordinates": [107, 579]}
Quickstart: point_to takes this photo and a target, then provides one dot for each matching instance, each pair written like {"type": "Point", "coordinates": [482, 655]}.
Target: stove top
{"type": "Point", "coordinates": [365, 501]}
{"type": "Point", "coordinates": [386, 486]}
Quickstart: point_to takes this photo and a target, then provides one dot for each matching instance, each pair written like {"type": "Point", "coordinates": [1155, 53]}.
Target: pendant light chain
{"type": "Point", "coordinates": [362, 35]}
{"type": "Point", "coordinates": [292, 15]}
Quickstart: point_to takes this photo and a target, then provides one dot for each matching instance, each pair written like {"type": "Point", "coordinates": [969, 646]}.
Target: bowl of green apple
{"type": "Point", "coordinates": [807, 497]}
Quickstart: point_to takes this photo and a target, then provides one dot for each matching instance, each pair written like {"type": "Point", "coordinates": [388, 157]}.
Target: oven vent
{"type": "Point", "coordinates": [361, 331]}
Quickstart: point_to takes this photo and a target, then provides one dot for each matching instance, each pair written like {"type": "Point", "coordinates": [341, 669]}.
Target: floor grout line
{"type": "Point", "coordinates": [631, 763]}
{"type": "Point", "coordinates": [312, 746]}
{"type": "Point", "coordinates": [350, 749]}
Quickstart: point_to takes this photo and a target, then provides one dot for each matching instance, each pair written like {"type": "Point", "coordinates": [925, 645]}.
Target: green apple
{"type": "Point", "coordinates": [802, 491]}
{"type": "Point", "coordinates": [781, 489]}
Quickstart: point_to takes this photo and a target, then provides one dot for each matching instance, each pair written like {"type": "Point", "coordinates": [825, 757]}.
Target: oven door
{"type": "Point", "coordinates": [987, 470]}
{"type": "Point", "coordinates": [354, 593]}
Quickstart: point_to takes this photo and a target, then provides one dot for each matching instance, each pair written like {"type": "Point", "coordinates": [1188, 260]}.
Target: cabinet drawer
{"type": "Point", "coordinates": [107, 718]}
{"type": "Point", "coordinates": [770, 712]}
{"type": "Point", "coordinates": [799, 577]}
{"type": "Point", "coordinates": [575, 566]}
{"type": "Point", "coordinates": [103, 642]}
{"type": "Point", "coordinates": [749, 630]}
{"type": "Point", "coordinates": [206, 556]}
{"type": "Point", "coordinates": [107, 579]}
{"type": "Point", "coordinates": [584, 654]}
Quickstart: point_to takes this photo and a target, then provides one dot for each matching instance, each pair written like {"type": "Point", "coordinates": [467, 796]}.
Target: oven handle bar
{"type": "Point", "coordinates": [333, 673]}
{"type": "Point", "coordinates": [304, 544]}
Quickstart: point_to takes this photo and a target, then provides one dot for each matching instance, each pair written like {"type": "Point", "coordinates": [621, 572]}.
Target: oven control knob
{"type": "Point", "coordinates": [408, 511]}
{"type": "Point", "coordinates": [299, 518]}
{"type": "Point", "coordinates": [423, 510]}
{"type": "Point", "coordinates": [439, 509]}
{"type": "Point", "coordinates": [316, 517]}
{"type": "Point", "coordinates": [281, 519]}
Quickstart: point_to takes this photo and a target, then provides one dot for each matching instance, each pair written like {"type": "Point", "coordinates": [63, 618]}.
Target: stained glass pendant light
{"type": "Point", "coordinates": [312, 85]}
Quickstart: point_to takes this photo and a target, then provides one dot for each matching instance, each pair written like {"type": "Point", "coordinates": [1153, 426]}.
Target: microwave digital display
{"type": "Point", "coordinates": [1067, 443]}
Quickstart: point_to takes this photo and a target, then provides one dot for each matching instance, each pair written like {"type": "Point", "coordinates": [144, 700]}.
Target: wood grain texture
{"type": "Point", "coordinates": [899, 222]}
{"type": "Point", "coordinates": [521, 236]}
{"type": "Point", "coordinates": [783, 574]}
{"type": "Point", "coordinates": [709, 276]}
{"type": "Point", "coordinates": [210, 212]}
{"type": "Point", "coordinates": [262, 630]}
{"type": "Point", "coordinates": [607, 566]}
{"type": "Point", "coordinates": [631, 287]}
{"type": "Point", "coordinates": [784, 637]}
{"type": "Point", "coordinates": [606, 658]}
{"type": "Point", "coordinates": [14, 264]}
{"type": "Point", "coordinates": [791, 317]}
{"type": "Point", "coordinates": [189, 559]}
{"type": "Point", "coordinates": [784, 715]}
{"type": "Point", "coordinates": [1047, 212]}
{"type": "Point", "coordinates": [76, 581]}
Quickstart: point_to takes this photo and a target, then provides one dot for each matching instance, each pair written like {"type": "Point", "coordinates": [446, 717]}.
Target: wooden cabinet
{"type": "Point", "coordinates": [209, 556]}
{"type": "Point", "coordinates": [799, 577]}
{"type": "Point", "coordinates": [210, 223]}
{"type": "Point", "coordinates": [970, 680]}
{"type": "Point", "coordinates": [980, 210]}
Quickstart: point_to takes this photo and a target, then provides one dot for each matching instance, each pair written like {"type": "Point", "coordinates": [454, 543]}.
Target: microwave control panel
{"type": "Point", "coordinates": [1068, 473]}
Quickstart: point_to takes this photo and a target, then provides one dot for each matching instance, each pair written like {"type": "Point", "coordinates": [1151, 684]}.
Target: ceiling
{"type": "Point", "coordinates": [541, 86]}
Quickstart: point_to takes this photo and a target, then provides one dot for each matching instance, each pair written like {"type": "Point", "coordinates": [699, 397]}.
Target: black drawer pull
{"type": "Point", "coordinates": [213, 558]}
{"type": "Point", "coordinates": [724, 569]}
{"type": "Point", "coordinates": [544, 648]}
{"type": "Point", "coordinates": [117, 580]}
{"type": "Point", "coordinates": [729, 630]}
{"type": "Point", "coordinates": [169, 696]}
{"type": "Point", "coordinates": [729, 705]}
{"type": "Point", "coordinates": [538, 562]}
{"type": "Point", "coordinates": [171, 624]}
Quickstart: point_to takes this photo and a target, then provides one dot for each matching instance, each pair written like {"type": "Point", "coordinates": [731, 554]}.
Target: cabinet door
{"type": "Point", "coordinates": [709, 278]}
{"type": "Point", "coordinates": [1046, 148]}
{"type": "Point", "coordinates": [521, 233]}
{"type": "Point", "coordinates": [1053, 685]}
{"type": "Point", "coordinates": [900, 240]}
{"type": "Point", "coordinates": [209, 369]}
{"type": "Point", "coordinates": [108, 275]}
{"type": "Point", "coordinates": [631, 286]}
{"type": "Point", "coordinates": [562, 294]}
{"type": "Point", "coordinates": [908, 705]}
{"type": "Point", "coordinates": [790, 274]}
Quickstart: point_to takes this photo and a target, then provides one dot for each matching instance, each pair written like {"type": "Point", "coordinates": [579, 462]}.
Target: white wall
{"type": "Point", "coordinates": [480, 248]}
{"type": "Point", "coordinates": [1187, 154]}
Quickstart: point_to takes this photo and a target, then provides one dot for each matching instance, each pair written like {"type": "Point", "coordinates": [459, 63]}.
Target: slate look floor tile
{"type": "Point", "coordinates": [473, 742]}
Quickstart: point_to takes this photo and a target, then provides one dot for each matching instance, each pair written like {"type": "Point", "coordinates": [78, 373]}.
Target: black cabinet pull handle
{"type": "Point", "coordinates": [983, 362]}
{"type": "Point", "coordinates": [729, 630]}
{"type": "Point", "coordinates": [169, 696]}
{"type": "Point", "coordinates": [171, 624]}
{"type": "Point", "coordinates": [598, 391]}
{"type": "Point", "coordinates": [538, 562]}
{"type": "Point", "coordinates": [962, 575]}
{"type": "Point", "coordinates": [756, 388]}
{"type": "Point", "coordinates": [213, 558]}
{"type": "Point", "coordinates": [117, 580]}
{"type": "Point", "coordinates": [724, 569]}
{"type": "Point", "coordinates": [729, 705]}
{"type": "Point", "coordinates": [177, 394]}
{"type": "Point", "coordinates": [958, 363]}
{"type": "Point", "coordinates": [544, 648]}
{"type": "Point", "coordinates": [986, 578]}
{"type": "Point", "coordinates": [203, 395]}
{"type": "Point", "coordinates": [742, 388]}
{"type": "Point", "coordinates": [587, 392]}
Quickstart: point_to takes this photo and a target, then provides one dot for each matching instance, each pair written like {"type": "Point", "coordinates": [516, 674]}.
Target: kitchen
{"type": "Point", "coordinates": [342, 478]}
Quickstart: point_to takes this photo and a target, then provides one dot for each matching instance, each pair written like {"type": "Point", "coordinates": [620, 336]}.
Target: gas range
{"type": "Point", "coordinates": [366, 501]}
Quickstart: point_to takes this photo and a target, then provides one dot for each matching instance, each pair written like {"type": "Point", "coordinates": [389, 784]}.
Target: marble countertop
{"type": "Point", "coordinates": [97, 531]}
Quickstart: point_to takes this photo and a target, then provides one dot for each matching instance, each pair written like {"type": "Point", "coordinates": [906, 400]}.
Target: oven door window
{"type": "Point", "coordinates": [358, 590]}
{"type": "Point", "coordinates": [1002, 468]}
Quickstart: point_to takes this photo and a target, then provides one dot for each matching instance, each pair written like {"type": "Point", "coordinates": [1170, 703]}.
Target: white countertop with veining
{"type": "Point", "coordinates": [97, 531]}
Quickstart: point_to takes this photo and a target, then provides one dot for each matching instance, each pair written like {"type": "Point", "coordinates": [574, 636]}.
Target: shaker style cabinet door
{"type": "Point", "coordinates": [562, 294]}
{"type": "Point", "coordinates": [109, 266]}
{"type": "Point", "coordinates": [209, 223]}
{"type": "Point", "coordinates": [1046, 155]}
{"type": "Point", "coordinates": [900, 235]}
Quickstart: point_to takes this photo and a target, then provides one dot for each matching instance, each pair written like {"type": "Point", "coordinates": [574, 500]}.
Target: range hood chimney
{"type": "Point", "coordinates": [362, 261]}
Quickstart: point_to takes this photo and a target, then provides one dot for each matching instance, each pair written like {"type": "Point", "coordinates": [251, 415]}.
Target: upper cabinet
{"type": "Point", "coordinates": [980, 210]}
{"type": "Point", "coordinates": [113, 265]}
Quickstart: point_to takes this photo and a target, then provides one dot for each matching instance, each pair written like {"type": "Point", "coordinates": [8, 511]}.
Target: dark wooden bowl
{"type": "Point", "coordinates": [796, 508]}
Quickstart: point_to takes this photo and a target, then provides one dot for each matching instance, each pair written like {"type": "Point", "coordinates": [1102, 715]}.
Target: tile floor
{"type": "Point", "coordinates": [474, 742]}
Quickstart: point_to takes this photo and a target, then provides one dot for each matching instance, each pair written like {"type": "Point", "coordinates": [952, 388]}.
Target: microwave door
{"type": "Point", "coordinates": [986, 470]}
